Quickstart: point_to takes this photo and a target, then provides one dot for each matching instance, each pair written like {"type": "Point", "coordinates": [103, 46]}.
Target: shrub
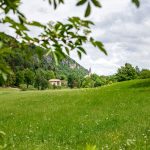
{"type": "Point", "coordinates": [23, 87]}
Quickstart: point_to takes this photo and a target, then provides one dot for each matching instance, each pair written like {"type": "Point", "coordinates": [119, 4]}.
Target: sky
{"type": "Point", "coordinates": [124, 30]}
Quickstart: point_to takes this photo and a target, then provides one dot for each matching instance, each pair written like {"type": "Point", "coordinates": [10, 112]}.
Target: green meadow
{"type": "Point", "coordinates": [115, 117]}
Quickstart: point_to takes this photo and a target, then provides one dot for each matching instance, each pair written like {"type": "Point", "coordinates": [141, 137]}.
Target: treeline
{"type": "Point", "coordinates": [124, 73]}
{"type": "Point", "coordinates": [128, 72]}
{"type": "Point", "coordinates": [39, 78]}
{"type": "Point", "coordinates": [31, 68]}
{"type": "Point", "coordinates": [31, 79]}
{"type": "Point", "coordinates": [28, 79]}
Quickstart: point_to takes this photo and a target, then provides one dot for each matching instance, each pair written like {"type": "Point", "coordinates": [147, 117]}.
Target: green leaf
{"type": "Point", "coordinates": [21, 14]}
{"type": "Point", "coordinates": [79, 54]}
{"type": "Point", "coordinates": [4, 69]}
{"type": "Point", "coordinates": [67, 50]}
{"type": "Point", "coordinates": [88, 10]}
{"type": "Point", "coordinates": [50, 2]}
{"type": "Point", "coordinates": [8, 20]}
{"type": "Point", "coordinates": [1, 44]}
{"type": "Point", "coordinates": [101, 47]}
{"type": "Point", "coordinates": [55, 58]}
{"type": "Point", "coordinates": [136, 2]}
{"type": "Point", "coordinates": [37, 24]}
{"type": "Point", "coordinates": [96, 3]}
{"type": "Point", "coordinates": [81, 2]}
{"type": "Point", "coordinates": [21, 19]}
{"type": "Point", "coordinates": [4, 75]}
{"type": "Point", "coordinates": [55, 4]}
{"type": "Point", "coordinates": [82, 49]}
{"type": "Point", "coordinates": [61, 1]}
{"type": "Point", "coordinates": [92, 41]}
{"type": "Point", "coordinates": [89, 22]}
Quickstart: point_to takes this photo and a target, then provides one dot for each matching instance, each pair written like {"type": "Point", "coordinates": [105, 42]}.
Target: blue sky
{"type": "Point", "coordinates": [124, 30]}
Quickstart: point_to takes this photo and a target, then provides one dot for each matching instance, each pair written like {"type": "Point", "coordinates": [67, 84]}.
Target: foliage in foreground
{"type": "Point", "coordinates": [113, 117]}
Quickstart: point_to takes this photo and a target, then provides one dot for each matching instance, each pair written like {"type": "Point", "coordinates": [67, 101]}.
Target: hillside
{"type": "Point", "coordinates": [31, 56]}
{"type": "Point", "coordinates": [111, 117]}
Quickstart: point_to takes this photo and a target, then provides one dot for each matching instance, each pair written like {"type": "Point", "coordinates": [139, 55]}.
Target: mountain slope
{"type": "Point", "coordinates": [31, 56]}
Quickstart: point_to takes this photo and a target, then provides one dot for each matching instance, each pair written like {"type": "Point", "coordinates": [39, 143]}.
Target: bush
{"type": "Point", "coordinates": [127, 72]}
{"type": "Point", "coordinates": [23, 87]}
{"type": "Point", "coordinates": [55, 87]}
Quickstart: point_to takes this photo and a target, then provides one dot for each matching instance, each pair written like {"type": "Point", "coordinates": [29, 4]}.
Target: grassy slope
{"type": "Point", "coordinates": [118, 115]}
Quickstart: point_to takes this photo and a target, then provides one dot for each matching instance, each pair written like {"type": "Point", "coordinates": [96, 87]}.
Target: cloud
{"type": "Point", "coordinates": [125, 35]}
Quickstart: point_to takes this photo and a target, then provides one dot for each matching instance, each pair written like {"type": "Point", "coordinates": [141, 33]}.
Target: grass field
{"type": "Point", "coordinates": [115, 117]}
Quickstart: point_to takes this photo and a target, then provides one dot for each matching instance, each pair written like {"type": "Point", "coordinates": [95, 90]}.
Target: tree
{"type": "Point", "coordinates": [144, 74]}
{"type": "Point", "coordinates": [71, 81]}
{"type": "Point", "coordinates": [41, 79]}
{"type": "Point", "coordinates": [137, 70]}
{"type": "Point", "coordinates": [49, 75]}
{"type": "Point", "coordinates": [2, 81]}
{"type": "Point", "coordinates": [28, 77]}
{"type": "Point", "coordinates": [88, 83]}
{"type": "Point", "coordinates": [19, 78]}
{"type": "Point", "coordinates": [37, 81]}
{"type": "Point", "coordinates": [44, 83]}
{"type": "Point", "coordinates": [94, 81]}
{"type": "Point", "coordinates": [74, 79]}
{"type": "Point", "coordinates": [111, 79]}
{"type": "Point", "coordinates": [63, 77]}
{"type": "Point", "coordinates": [11, 80]}
{"type": "Point", "coordinates": [56, 38]}
{"type": "Point", "coordinates": [126, 72]}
